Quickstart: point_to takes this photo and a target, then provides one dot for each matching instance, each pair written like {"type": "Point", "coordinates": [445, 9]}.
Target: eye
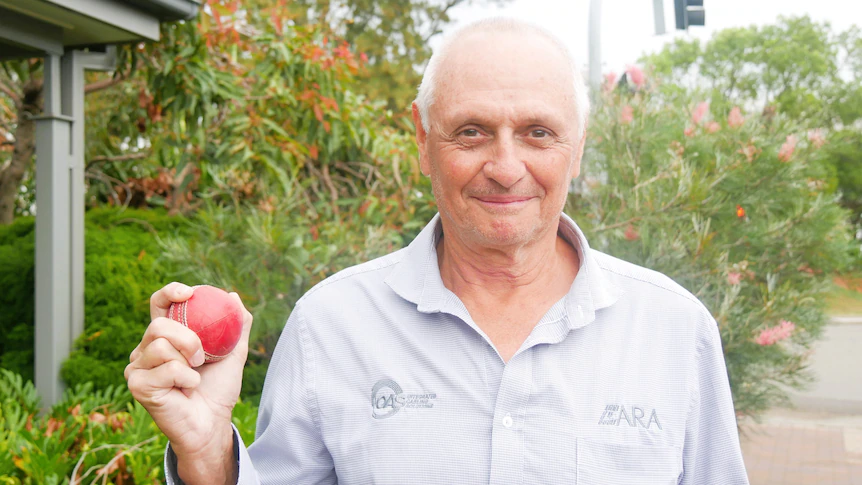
{"type": "Point", "coordinates": [470, 132]}
{"type": "Point", "coordinates": [539, 133]}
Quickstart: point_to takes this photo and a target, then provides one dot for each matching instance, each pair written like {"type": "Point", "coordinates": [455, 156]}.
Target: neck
{"type": "Point", "coordinates": [547, 264]}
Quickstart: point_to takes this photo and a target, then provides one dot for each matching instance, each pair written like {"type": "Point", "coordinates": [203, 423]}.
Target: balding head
{"type": "Point", "coordinates": [497, 40]}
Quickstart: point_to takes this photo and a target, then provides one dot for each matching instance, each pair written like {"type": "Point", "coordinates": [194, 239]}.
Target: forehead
{"type": "Point", "coordinates": [505, 75]}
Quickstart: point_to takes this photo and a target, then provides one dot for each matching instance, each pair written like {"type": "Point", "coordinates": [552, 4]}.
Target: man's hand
{"type": "Point", "coordinates": [191, 403]}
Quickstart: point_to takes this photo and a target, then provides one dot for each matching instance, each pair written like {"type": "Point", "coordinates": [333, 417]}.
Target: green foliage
{"type": "Point", "coordinates": [730, 209]}
{"type": "Point", "coordinates": [121, 272]}
{"type": "Point", "coordinates": [809, 72]}
{"type": "Point", "coordinates": [96, 436]}
{"type": "Point", "coordinates": [272, 258]}
{"type": "Point", "coordinates": [17, 278]}
{"type": "Point", "coordinates": [393, 35]}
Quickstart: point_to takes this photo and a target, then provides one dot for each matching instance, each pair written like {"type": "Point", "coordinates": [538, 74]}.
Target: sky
{"type": "Point", "coordinates": [628, 26]}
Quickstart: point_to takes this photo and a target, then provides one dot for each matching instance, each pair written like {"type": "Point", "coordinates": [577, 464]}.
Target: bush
{"type": "Point", "coordinates": [96, 436]}
{"type": "Point", "coordinates": [271, 260]}
{"type": "Point", "coordinates": [121, 272]}
{"type": "Point", "coordinates": [735, 207]}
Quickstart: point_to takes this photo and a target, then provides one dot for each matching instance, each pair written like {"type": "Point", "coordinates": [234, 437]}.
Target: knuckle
{"type": "Point", "coordinates": [161, 347]}
{"type": "Point", "coordinates": [175, 367]}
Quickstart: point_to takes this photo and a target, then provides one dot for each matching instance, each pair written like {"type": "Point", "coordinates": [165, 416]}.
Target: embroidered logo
{"type": "Point", "coordinates": [615, 414]}
{"type": "Point", "coordinates": [387, 398]}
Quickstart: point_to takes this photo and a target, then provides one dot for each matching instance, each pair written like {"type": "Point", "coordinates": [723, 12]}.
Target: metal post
{"type": "Point", "coordinates": [658, 11]}
{"type": "Point", "coordinates": [60, 204]}
{"type": "Point", "coordinates": [53, 232]}
{"type": "Point", "coordinates": [73, 107]}
{"type": "Point", "coordinates": [595, 45]}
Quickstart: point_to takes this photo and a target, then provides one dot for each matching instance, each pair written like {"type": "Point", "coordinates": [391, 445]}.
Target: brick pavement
{"type": "Point", "coordinates": [795, 448]}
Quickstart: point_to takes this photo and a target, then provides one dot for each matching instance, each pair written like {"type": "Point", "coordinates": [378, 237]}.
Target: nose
{"type": "Point", "coordinates": [505, 165]}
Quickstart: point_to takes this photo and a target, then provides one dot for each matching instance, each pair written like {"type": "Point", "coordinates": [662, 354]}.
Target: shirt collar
{"type": "Point", "coordinates": [416, 278]}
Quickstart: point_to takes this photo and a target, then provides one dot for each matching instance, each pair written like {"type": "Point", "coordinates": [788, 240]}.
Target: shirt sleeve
{"type": "Point", "coordinates": [288, 446]}
{"type": "Point", "coordinates": [711, 453]}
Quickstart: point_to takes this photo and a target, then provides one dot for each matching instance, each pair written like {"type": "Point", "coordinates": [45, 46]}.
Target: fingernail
{"type": "Point", "coordinates": [184, 290]}
{"type": "Point", "coordinates": [198, 358]}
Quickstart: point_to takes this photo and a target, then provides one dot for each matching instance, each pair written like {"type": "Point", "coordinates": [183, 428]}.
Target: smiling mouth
{"type": "Point", "coordinates": [503, 202]}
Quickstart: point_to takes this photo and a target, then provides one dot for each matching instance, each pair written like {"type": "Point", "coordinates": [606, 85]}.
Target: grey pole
{"type": "Point", "coordinates": [658, 11]}
{"type": "Point", "coordinates": [53, 233]}
{"type": "Point", "coordinates": [595, 46]}
{"type": "Point", "coordinates": [60, 204]}
{"type": "Point", "coordinates": [73, 107]}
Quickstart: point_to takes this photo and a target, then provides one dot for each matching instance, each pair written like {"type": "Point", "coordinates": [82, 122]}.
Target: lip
{"type": "Point", "coordinates": [505, 203]}
{"type": "Point", "coordinates": [503, 199]}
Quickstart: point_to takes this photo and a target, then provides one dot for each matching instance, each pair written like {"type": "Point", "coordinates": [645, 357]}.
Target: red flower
{"type": "Point", "coordinates": [734, 278]}
{"type": "Point", "coordinates": [740, 211]}
{"type": "Point", "coordinates": [636, 75]}
{"type": "Point", "coordinates": [735, 119]}
{"type": "Point", "coordinates": [631, 233]}
{"type": "Point", "coordinates": [700, 111]}
{"type": "Point", "coordinates": [786, 150]}
{"type": "Point", "coordinates": [627, 114]}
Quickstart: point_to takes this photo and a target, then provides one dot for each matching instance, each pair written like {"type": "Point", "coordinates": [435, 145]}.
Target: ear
{"type": "Point", "coordinates": [579, 154]}
{"type": "Point", "coordinates": [421, 137]}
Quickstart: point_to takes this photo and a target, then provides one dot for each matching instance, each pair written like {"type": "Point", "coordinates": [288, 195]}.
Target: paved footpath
{"type": "Point", "coordinates": [803, 448]}
{"type": "Point", "coordinates": [820, 442]}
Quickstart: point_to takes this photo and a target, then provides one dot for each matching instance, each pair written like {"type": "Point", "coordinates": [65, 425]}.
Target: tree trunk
{"type": "Point", "coordinates": [22, 155]}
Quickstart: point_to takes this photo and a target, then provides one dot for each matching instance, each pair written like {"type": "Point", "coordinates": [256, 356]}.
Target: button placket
{"type": "Point", "coordinates": [507, 441]}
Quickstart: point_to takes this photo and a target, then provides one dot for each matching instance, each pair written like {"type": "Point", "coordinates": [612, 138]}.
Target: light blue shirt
{"type": "Point", "coordinates": [381, 376]}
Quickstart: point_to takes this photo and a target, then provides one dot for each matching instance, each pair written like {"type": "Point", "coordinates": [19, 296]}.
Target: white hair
{"type": "Point", "coordinates": [425, 96]}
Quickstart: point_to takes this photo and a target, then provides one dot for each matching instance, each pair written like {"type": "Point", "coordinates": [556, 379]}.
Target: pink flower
{"type": "Point", "coordinates": [610, 81]}
{"type": "Point", "coordinates": [786, 150]}
{"type": "Point", "coordinates": [712, 127]}
{"type": "Point", "coordinates": [689, 131]}
{"type": "Point", "coordinates": [735, 119]}
{"type": "Point", "coordinates": [700, 111]}
{"type": "Point", "coordinates": [773, 335]}
{"type": "Point", "coordinates": [632, 233]}
{"type": "Point", "coordinates": [816, 138]}
{"type": "Point", "coordinates": [636, 75]}
{"type": "Point", "coordinates": [734, 278]}
{"type": "Point", "coordinates": [627, 115]}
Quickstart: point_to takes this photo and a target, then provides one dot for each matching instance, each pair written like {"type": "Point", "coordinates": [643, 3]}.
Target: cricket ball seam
{"type": "Point", "coordinates": [183, 318]}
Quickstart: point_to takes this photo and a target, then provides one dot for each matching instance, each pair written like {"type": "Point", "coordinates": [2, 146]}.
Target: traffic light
{"type": "Point", "coordinates": [689, 12]}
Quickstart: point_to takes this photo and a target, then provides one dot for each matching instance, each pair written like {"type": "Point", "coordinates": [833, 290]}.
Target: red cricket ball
{"type": "Point", "coordinates": [215, 316]}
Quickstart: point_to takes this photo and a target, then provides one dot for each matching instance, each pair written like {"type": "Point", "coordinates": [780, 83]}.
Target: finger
{"type": "Point", "coordinates": [178, 335]}
{"type": "Point", "coordinates": [159, 352]}
{"type": "Point", "coordinates": [143, 382]}
{"type": "Point", "coordinates": [247, 317]}
{"type": "Point", "coordinates": [161, 300]}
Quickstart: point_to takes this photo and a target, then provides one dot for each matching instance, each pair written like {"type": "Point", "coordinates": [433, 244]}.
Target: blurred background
{"type": "Point", "coordinates": [263, 145]}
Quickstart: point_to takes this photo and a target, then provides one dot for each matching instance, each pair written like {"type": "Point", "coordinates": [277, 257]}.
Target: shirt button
{"type": "Point", "coordinates": [507, 420]}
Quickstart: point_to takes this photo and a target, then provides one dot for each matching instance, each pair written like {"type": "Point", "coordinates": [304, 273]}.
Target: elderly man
{"type": "Point", "coordinates": [496, 348]}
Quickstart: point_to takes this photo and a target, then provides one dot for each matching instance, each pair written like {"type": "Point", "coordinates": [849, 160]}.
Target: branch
{"type": "Point", "coordinates": [117, 158]}
{"type": "Point", "coordinates": [106, 83]}
{"type": "Point", "coordinates": [8, 91]}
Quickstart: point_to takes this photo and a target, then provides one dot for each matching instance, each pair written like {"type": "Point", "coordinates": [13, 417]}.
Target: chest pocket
{"type": "Point", "coordinates": [606, 463]}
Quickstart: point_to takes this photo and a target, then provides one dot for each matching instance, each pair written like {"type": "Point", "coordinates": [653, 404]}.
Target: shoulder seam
{"type": "Point", "coordinates": [347, 273]}
{"type": "Point", "coordinates": [688, 297]}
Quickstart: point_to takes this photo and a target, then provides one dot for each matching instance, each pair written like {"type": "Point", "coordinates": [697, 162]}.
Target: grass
{"type": "Point", "coordinates": [846, 295]}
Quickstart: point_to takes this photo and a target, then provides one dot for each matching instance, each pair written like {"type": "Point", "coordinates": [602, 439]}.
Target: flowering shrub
{"type": "Point", "coordinates": [735, 206]}
{"type": "Point", "coordinates": [88, 437]}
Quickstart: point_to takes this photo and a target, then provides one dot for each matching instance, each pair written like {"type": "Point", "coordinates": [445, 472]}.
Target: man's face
{"type": "Point", "coordinates": [502, 145]}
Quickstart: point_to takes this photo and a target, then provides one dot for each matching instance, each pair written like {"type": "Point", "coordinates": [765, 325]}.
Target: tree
{"type": "Point", "coordinates": [136, 132]}
{"type": "Point", "coordinates": [393, 35]}
{"type": "Point", "coordinates": [735, 206]}
{"type": "Point", "coordinates": [21, 100]}
{"type": "Point", "coordinates": [801, 67]}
